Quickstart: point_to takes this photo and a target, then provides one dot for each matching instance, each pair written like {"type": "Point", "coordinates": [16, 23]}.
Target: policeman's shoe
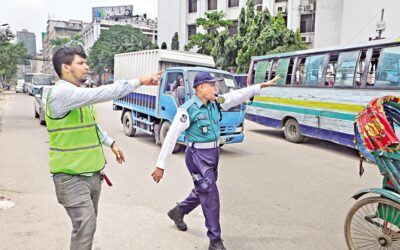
{"type": "Point", "coordinates": [177, 216]}
{"type": "Point", "coordinates": [216, 245]}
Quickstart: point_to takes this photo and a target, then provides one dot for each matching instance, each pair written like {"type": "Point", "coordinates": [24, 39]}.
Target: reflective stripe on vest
{"type": "Point", "coordinates": [75, 147]}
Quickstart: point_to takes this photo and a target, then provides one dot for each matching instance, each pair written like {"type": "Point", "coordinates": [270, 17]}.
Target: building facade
{"type": "Point", "coordinates": [58, 29]}
{"type": "Point", "coordinates": [28, 39]}
{"type": "Point", "coordinates": [321, 23]}
{"type": "Point", "coordinates": [92, 32]}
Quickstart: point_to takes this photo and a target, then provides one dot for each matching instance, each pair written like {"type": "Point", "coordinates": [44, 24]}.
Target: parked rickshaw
{"type": "Point", "coordinates": [374, 222]}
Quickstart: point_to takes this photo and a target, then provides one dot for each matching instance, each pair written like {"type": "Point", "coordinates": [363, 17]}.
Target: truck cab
{"type": "Point", "coordinates": [173, 94]}
{"type": "Point", "coordinates": [151, 109]}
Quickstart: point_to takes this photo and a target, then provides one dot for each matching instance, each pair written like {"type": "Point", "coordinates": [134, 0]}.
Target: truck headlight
{"type": "Point", "coordinates": [239, 129]}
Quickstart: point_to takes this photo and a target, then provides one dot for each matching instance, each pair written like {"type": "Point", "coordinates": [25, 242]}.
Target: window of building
{"type": "Point", "coordinates": [192, 6]}
{"type": "Point", "coordinates": [233, 3]}
{"type": "Point", "coordinates": [307, 23]}
{"type": "Point", "coordinates": [258, 5]}
{"type": "Point", "coordinates": [212, 4]}
{"type": "Point", "coordinates": [191, 30]}
{"type": "Point", "coordinates": [234, 28]}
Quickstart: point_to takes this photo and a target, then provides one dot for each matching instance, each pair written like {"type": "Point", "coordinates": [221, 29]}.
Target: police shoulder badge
{"type": "Point", "coordinates": [220, 99]}
{"type": "Point", "coordinates": [183, 118]}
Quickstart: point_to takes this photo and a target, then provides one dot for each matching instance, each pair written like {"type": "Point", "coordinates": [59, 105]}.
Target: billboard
{"type": "Point", "coordinates": [112, 12]}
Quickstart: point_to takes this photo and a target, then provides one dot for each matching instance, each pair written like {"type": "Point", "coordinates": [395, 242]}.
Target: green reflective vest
{"type": "Point", "coordinates": [75, 147]}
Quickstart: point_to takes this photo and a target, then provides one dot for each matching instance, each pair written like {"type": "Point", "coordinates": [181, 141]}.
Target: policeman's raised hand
{"type": "Point", "coordinates": [119, 155]}
{"type": "Point", "coordinates": [157, 174]}
{"type": "Point", "coordinates": [270, 83]}
{"type": "Point", "coordinates": [153, 79]}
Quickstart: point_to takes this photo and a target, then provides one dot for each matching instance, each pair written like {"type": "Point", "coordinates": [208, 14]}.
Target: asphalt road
{"type": "Point", "coordinates": [274, 194]}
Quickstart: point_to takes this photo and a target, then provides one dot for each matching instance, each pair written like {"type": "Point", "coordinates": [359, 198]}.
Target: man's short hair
{"type": "Point", "coordinates": [66, 55]}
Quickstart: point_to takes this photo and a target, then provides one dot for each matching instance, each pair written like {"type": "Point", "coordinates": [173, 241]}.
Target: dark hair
{"type": "Point", "coordinates": [66, 55]}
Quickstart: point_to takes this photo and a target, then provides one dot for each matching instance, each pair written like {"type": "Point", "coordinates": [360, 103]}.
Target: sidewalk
{"type": "Point", "coordinates": [5, 96]}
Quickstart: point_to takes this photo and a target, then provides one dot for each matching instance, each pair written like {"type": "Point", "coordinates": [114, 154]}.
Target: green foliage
{"type": "Point", "coordinates": [175, 42]}
{"type": "Point", "coordinates": [214, 24]}
{"type": "Point", "coordinates": [164, 45]}
{"type": "Point", "coordinates": [118, 39]}
{"type": "Point", "coordinates": [265, 35]}
{"type": "Point", "coordinates": [259, 33]}
{"type": "Point", "coordinates": [74, 40]}
{"type": "Point", "coordinates": [11, 55]}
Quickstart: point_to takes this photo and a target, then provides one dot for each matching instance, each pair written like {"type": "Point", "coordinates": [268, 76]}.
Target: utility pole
{"type": "Point", "coordinates": [380, 26]}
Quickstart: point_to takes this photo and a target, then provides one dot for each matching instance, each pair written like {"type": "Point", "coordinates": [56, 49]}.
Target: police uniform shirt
{"type": "Point", "coordinates": [182, 119]}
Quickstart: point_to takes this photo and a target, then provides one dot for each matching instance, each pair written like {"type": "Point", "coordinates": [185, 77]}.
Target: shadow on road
{"type": "Point", "coordinates": [312, 143]}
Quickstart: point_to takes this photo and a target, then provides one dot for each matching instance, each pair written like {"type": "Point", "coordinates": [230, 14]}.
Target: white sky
{"type": "Point", "coordinates": [33, 14]}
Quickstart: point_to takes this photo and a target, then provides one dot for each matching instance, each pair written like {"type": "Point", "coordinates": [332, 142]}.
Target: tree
{"type": "Point", "coordinates": [74, 40]}
{"type": "Point", "coordinates": [175, 42]}
{"type": "Point", "coordinates": [265, 34]}
{"type": "Point", "coordinates": [11, 55]}
{"type": "Point", "coordinates": [164, 45]}
{"type": "Point", "coordinates": [214, 24]}
{"type": "Point", "coordinates": [118, 39]}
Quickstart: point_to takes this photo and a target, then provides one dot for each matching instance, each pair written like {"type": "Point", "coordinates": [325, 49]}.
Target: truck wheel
{"type": "Point", "coordinates": [163, 133]}
{"type": "Point", "coordinates": [129, 130]}
{"type": "Point", "coordinates": [36, 114]}
{"type": "Point", "coordinates": [292, 131]}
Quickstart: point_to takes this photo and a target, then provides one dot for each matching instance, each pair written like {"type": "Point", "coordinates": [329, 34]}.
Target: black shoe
{"type": "Point", "coordinates": [177, 216]}
{"type": "Point", "coordinates": [216, 245]}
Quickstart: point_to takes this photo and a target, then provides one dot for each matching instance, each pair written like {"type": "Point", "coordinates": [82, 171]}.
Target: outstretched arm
{"type": "Point", "coordinates": [180, 123]}
{"type": "Point", "coordinates": [239, 96]}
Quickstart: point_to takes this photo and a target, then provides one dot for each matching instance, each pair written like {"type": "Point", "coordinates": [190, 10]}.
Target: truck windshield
{"type": "Point", "coordinates": [227, 84]}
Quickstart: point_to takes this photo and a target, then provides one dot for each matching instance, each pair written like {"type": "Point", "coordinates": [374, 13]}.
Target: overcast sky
{"type": "Point", "coordinates": [33, 14]}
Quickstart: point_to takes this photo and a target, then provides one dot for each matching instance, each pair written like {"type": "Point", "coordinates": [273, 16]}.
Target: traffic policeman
{"type": "Point", "coordinates": [200, 117]}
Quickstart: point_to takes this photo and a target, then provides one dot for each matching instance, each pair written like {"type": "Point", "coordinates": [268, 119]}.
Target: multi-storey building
{"type": "Point", "coordinates": [28, 39]}
{"type": "Point", "coordinates": [321, 22]}
{"type": "Point", "coordinates": [91, 32]}
{"type": "Point", "coordinates": [58, 29]}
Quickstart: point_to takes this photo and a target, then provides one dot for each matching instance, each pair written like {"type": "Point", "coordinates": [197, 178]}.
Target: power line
{"type": "Point", "coordinates": [373, 17]}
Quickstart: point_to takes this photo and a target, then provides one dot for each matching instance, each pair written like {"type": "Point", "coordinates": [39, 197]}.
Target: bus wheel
{"type": "Point", "coordinates": [163, 133]}
{"type": "Point", "coordinates": [292, 131]}
{"type": "Point", "coordinates": [129, 130]}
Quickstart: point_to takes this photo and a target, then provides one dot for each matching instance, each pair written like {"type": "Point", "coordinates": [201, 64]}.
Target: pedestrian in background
{"type": "Point", "coordinates": [76, 153]}
{"type": "Point", "coordinates": [200, 119]}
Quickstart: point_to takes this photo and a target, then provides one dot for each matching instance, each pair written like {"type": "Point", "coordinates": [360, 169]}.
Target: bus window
{"type": "Point", "coordinates": [300, 71]}
{"type": "Point", "coordinates": [331, 69]}
{"type": "Point", "coordinates": [360, 68]}
{"type": "Point", "coordinates": [262, 70]}
{"type": "Point", "coordinates": [372, 67]}
{"type": "Point", "coordinates": [314, 67]}
{"type": "Point", "coordinates": [346, 68]}
{"type": "Point", "coordinates": [388, 71]}
{"type": "Point", "coordinates": [282, 71]}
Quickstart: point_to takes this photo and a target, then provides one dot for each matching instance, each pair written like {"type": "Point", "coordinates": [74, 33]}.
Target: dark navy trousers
{"type": "Point", "coordinates": [203, 163]}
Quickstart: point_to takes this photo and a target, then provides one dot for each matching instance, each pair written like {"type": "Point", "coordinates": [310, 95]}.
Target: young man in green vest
{"type": "Point", "coordinates": [76, 153]}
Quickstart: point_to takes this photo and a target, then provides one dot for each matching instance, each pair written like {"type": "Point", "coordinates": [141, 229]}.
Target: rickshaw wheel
{"type": "Point", "coordinates": [373, 223]}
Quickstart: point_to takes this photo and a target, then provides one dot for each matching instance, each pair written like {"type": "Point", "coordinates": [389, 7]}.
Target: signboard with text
{"type": "Point", "coordinates": [112, 12]}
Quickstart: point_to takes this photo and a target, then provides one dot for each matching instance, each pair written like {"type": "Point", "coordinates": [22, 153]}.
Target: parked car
{"type": "Point", "coordinates": [40, 104]}
{"type": "Point", "coordinates": [20, 86]}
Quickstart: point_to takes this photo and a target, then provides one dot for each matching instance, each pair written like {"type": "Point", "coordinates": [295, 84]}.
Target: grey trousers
{"type": "Point", "coordinates": [80, 197]}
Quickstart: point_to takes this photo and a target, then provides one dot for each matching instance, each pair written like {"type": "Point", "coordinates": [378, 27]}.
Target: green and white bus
{"type": "Point", "coordinates": [321, 90]}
